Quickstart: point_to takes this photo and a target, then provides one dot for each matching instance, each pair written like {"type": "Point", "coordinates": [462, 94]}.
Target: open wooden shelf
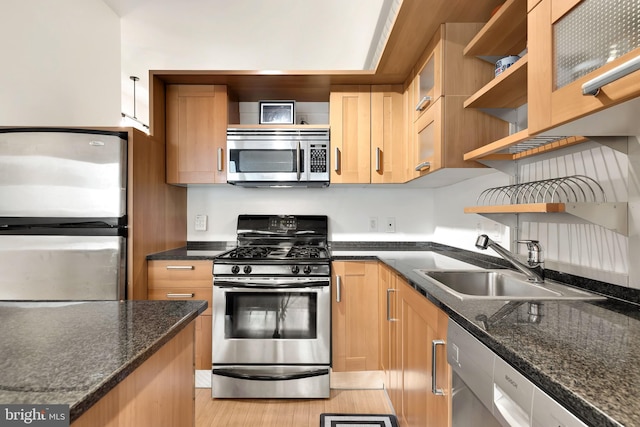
{"type": "Point", "coordinates": [520, 208]}
{"type": "Point", "coordinates": [508, 90]}
{"type": "Point", "coordinates": [504, 34]}
{"type": "Point", "coordinates": [522, 145]}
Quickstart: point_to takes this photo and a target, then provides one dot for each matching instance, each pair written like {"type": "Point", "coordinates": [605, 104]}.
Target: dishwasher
{"type": "Point", "coordinates": [488, 392]}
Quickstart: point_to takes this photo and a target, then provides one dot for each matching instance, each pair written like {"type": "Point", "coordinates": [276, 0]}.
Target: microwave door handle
{"type": "Point", "coordinates": [298, 160]}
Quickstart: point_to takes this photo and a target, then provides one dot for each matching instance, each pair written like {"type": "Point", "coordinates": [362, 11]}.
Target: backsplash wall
{"type": "Point", "coordinates": [421, 214]}
{"type": "Point", "coordinates": [578, 247]}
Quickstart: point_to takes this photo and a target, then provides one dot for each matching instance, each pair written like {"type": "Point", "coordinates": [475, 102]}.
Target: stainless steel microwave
{"type": "Point", "coordinates": [278, 157]}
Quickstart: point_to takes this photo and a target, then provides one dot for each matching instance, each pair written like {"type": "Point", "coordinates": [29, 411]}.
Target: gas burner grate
{"type": "Point", "coordinates": [250, 252]}
{"type": "Point", "coordinates": [305, 252]}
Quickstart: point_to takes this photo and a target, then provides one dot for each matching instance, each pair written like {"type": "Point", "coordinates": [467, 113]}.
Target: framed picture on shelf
{"type": "Point", "coordinates": [277, 112]}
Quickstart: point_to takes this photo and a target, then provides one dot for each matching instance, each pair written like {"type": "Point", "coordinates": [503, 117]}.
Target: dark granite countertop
{"type": "Point", "coordinates": [75, 352]}
{"type": "Point", "coordinates": [583, 354]}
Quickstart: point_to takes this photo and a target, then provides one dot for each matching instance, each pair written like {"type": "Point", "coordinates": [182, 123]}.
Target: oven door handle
{"type": "Point", "coordinates": [232, 373]}
{"type": "Point", "coordinates": [292, 285]}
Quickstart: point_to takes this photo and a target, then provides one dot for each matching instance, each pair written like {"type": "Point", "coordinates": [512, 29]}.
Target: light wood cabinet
{"type": "Point", "coordinates": [426, 395]}
{"type": "Point", "coordinates": [367, 134]}
{"type": "Point", "coordinates": [556, 79]}
{"type": "Point", "coordinates": [160, 392]}
{"type": "Point", "coordinates": [443, 70]}
{"type": "Point", "coordinates": [350, 122]}
{"type": "Point", "coordinates": [389, 147]}
{"type": "Point", "coordinates": [446, 131]}
{"type": "Point", "coordinates": [183, 280]}
{"type": "Point", "coordinates": [355, 338]}
{"type": "Point", "coordinates": [441, 130]}
{"type": "Point", "coordinates": [506, 96]}
{"type": "Point", "coordinates": [390, 344]}
{"type": "Point", "coordinates": [197, 118]}
{"type": "Point", "coordinates": [412, 331]}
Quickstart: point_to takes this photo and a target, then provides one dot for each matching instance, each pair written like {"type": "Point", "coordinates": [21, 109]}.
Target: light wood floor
{"type": "Point", "coordinates": [285, 412]}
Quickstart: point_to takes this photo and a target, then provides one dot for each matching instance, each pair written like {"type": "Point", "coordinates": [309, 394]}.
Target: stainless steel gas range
{"type": "Point", "coordinates": [272, 310]}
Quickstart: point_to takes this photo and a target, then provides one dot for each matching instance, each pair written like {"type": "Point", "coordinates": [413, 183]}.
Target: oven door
{"type": "Point", "coordinates": [284, 323]}
{"type": "Point", "coordinates": [266, 161]}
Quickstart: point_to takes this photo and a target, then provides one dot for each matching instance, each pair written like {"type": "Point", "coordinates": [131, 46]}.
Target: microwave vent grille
{"type": "Point", "coordinates": [234, 133]}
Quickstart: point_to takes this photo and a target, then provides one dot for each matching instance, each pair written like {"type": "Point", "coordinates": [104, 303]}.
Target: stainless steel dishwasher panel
{"type": "Point", "coordinates": [512, 395]}
{"type": "Point", "coordinates": [472, 366]}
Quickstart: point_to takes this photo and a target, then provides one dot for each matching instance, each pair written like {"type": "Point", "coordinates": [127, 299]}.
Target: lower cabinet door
{"type": "Point", "coordinates": [426, 393]}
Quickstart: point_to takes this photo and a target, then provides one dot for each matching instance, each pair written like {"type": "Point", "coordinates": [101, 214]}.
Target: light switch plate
{"type": "Point", "coordinates": [201, 222]}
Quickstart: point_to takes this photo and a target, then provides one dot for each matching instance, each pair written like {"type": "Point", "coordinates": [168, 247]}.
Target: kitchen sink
{"type": "Point", "coordinates": [501, 285]}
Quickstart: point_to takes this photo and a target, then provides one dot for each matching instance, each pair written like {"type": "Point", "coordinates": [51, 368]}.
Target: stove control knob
{"type": "Point", "coordinates": [295, 269]}
{"type": "Point", "coordinates": [307, 269]}
{"type": "Point", "coordinates": [235, 269]}
{"type": "Point", "coordinates": [247, 269]}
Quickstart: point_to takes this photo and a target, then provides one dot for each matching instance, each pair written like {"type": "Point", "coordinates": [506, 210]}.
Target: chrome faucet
{"type": "Point", "coordinates": [534, 270]}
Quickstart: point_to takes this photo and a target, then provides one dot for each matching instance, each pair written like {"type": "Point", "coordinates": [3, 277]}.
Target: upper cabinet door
{"type": "Point", "coordinates": [388, 135]}
{"type": "Point", "coordinates": [444, 70]}
{"type": "Point", "coordinates": [196, 134]}
{"type": "Point", "coordinates": [350, 121]}
{"type": "Point", "coordinates": [584, 57]}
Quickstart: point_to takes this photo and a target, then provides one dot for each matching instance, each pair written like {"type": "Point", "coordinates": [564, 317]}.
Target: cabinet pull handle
{"type": "Point", "coordinates": [219, 159]}
{"type": "Point", "coordinates": [338, 289]}
{"type": "Point", "coordinates": [180, 267]}
{"type": "Point", "coordinates": [593, 86]}
{"type": "Point", "coordinates": [423, 165]}
{"type": "Point", "coordinates": [180, 295]}
{"type": "Point", "coordinates": [423, 103]}
{"type": "Point", "coordinates": [378, 156]}
{"type": "Point", "coordinates": [298, 160]}
{"type": "Point", "coordinates": [337, 160]}
{"type": "Point", "coordinates": [389, 318]}
{"type": "Point", "coordinates": [434, 381]}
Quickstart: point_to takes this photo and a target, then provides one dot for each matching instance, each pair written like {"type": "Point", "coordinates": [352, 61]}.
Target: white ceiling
{"type": "Point", "coordinates": [243, 35]}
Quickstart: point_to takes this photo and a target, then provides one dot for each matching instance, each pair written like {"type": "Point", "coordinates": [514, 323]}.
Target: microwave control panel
{"type": "Point", "coordinates": [318, 158]}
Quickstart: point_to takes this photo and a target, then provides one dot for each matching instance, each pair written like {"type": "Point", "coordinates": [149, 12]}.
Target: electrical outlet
{"type": "Point", "coordinates": [201, 222]}
{"type": "Point", "coordinates": [373, 223]}
{"type": "Point", "coordinates": [391, 225]}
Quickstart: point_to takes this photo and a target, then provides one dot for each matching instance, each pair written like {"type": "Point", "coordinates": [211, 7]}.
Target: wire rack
{"type": "Point", "coordinates": [568, 189]}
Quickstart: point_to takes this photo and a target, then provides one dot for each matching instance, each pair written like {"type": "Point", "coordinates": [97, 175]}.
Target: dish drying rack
{"type": "Point", "coordinates": [575, 198]}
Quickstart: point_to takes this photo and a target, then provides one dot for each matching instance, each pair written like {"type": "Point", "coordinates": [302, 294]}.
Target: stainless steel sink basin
{"type": "Point", "coordinates": [501, 285]}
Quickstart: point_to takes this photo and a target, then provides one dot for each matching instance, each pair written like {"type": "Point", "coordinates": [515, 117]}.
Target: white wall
{"type": "Point", "coordinates": [61, 63]}
{"type": "Point", "coordinates": [348, 208]}
{"type": "Point", "coordinates": [421, 214]}
{"type": "Point", "coordinates": [454, 227]}
{"type": "Point", "coordinates": [580, 247]}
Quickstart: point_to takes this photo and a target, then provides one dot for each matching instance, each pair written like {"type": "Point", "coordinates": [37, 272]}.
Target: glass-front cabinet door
{"type": "Point", "coordinates": [584, 56]}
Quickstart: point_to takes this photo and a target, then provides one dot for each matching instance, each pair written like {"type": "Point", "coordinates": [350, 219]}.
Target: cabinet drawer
{"type": "Point", "coordinates": [180, 273]}
{"type": "Point", "coordinates": [176, 293]}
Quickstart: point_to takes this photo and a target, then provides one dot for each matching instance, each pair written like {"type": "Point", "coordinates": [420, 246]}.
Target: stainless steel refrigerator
{"type": "Point", "coordinates": [63, 214]}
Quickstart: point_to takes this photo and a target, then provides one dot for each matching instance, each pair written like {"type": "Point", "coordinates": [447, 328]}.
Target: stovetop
{"type": "Point", "coordinates": [259, 253]}
{"type": "Point", "coordinates": [278, 245]}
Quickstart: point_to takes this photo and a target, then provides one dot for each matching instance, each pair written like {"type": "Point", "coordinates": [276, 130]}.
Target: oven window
{"type": "Point", "coordinates": [271, 315]}
{"type": "Point", "coordinates": [248, 161]}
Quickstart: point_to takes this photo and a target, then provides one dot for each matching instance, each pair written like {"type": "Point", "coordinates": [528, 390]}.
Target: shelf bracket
{"type": "Point", "coordinates": [613, 216]}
